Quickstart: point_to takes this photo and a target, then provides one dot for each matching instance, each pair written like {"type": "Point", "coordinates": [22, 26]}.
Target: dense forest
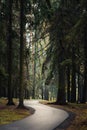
{"type": "Point", "coordinates": [43, 50]}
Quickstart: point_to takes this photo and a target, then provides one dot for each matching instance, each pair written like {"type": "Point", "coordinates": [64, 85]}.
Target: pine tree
{"type": "Point", "coordinates": [22, 26]}
{"type": "Point", "coordinates": [9, 44]}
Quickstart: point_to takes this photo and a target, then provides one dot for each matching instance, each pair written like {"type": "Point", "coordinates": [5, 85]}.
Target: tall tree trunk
{"type": "Point", "coordinates": [9, 44]}
{"type": "Point", "coordinates": [61, 97]}
{"type": "Point", "coordinates": [73, 86]}
{"type": "Point", "coordinates": [68, 84]}
{"type": "Point", "coordinates": [34, 76]}
{"type": "Point", "coordinates": [79, 89]}
{"type": "Point", "coordinates": [79, 93]}
{"type": "Point", "coordinates": [46, 93]}
{"type": "Point", "coordinates": [21, 88]}
{"type": "Point", "coordinates": [84, 95]}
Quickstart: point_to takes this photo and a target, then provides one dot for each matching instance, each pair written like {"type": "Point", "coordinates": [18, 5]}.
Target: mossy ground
{"type": "Point", "coordinates": [9, 114]}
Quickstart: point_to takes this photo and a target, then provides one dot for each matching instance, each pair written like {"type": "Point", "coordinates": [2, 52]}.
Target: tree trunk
{"type": "Point", "coordinates": [61, 97]}
{"type": "Point", "coordinates": [68, 84]}
{"type": "Point", "coordinates": [79, 89]}
{"type": "Point", "coordinates": [73, 86]}
{"type": "Point", "coordinates": [46, 93]}
{"type": "Point", "coordinates": [21, 88]}
{"type": "Point", "coordinates": [84, 95]}
{"type": "Point", "coordinates": [9, 44]}
{"type": "Point", "coordinates": [34, 76]}
{"type": "Point", "coordinates": [42, 92]}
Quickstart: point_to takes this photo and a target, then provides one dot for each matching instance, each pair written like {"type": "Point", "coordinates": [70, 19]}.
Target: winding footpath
{"type": "Point", "coordinates": [44, 118]}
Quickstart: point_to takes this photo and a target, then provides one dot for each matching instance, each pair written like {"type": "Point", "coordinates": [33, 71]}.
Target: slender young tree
{"type": "Point", "coordinates": [34, 75]}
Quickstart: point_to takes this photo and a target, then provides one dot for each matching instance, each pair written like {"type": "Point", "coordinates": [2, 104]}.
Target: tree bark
{"type": "Point", "coordinates": [34, 75]}
{"type": "Point", "coordinates": [84, 95]}
{"type": "Point", "coordinates": [21, 88]}
{"type": "Point", "coordinates": [9, 45]}
{"type": "Point", "coordinates": [61, 89]}
{"type": "Point", "coordinates": [68, 84]}
{"type": "Point", "coordinates": [73, 86]}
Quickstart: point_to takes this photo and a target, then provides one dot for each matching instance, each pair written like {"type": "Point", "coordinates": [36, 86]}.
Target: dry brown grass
{"type": "Point", "coordinates": [9, 114]}
{"type": "Point", "coordinates": [80, 121]}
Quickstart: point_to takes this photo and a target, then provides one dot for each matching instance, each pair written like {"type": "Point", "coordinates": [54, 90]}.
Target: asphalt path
{"type": "Point", "coordinates": [44, 118]}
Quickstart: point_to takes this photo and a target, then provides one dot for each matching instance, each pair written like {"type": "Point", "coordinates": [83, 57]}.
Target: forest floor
{"type": "Point", "coordinates": [77, 120]}
{"type": "Point", "coordinates": [78, 116]}
{"type": "Point", "coordinates": [9, 114]}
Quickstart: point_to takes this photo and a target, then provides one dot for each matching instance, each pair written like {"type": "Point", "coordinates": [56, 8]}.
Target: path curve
{"type": "Point", "coordinates": [44, 118]}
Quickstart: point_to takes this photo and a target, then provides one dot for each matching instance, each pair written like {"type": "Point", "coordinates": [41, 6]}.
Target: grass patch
{"type": "Point", "coordinates": [46, 102]}
{"type": "Point", "coordinates": [3, 101]}
{"type": "Point", "coordinates": [9, 114]}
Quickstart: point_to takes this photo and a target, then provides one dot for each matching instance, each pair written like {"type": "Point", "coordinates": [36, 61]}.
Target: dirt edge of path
{"type": "Point", "coordinates": [67, 122]}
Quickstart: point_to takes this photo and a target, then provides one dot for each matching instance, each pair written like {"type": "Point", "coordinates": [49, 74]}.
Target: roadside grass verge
{"type": "Point", "coordinates": [80, 110]}
{"type": "Point", "coordinates": [9, 114]}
